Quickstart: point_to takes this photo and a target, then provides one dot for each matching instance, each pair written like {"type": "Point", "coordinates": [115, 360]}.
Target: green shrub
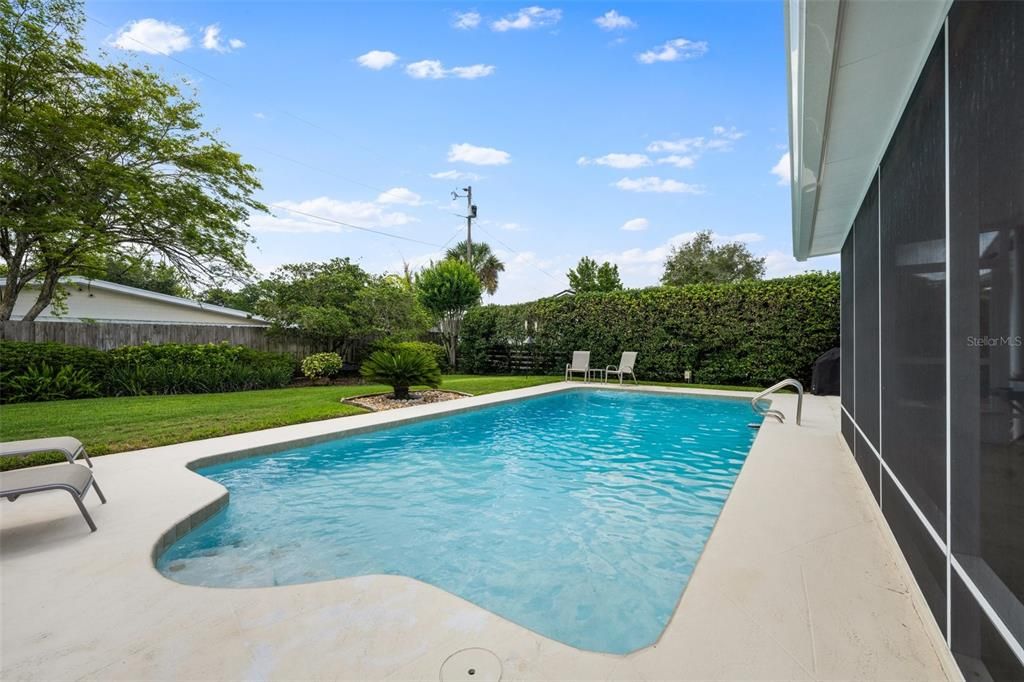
{"type": "Point", "coordinates": [17, 356]}
{"type": "Point", "coordinates": [195, 368]}
{"type": "Point", "coordinates": [321, 365]}
{"type": "Point", "coordinates": [401, 369]}
{"type": "Point", "coordinates": [749, 333]}
{"type": "Point", "coordinates": [42, 382]}
{"type": "Point", "coordinates": [434, 350]}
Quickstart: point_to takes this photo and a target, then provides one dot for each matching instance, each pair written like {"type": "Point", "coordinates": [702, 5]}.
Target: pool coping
{"type": "Point", "coordinates": [759, 633]}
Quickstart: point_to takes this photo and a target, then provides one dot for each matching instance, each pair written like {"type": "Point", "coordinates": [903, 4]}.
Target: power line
{"type": "Point", "coordinates": [359, 227]}
{"type": "Point", "coordinates": [331, 173]}
{"type": "Point", "coordinates": [529, 262]}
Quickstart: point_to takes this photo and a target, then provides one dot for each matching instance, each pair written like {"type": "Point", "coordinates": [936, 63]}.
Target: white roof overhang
{"type": "Point", "coordinates": [852, 67]}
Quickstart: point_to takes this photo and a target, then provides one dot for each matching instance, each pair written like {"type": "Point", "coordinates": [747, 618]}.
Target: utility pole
{"type": "Point", "coordinates": [470, 215]}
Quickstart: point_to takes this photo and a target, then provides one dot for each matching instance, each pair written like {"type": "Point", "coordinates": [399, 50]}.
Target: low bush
{"type": "Point", "coordinates": [401, 369]}
{"type": "Point", "coordinates": [54, 371]}
{"type": "Point", "coordinates": [195, 368]}
{"type": "Point", "coordinates": [321, 365]}
{"type": "Point", "coordinates": [43, 382]}
{"type": "Point", "coordinates": [749, 333]}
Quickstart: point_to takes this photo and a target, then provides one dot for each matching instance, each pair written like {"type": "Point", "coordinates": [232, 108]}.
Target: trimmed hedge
{"type": "Point", "coordinates": [195, 368]}
{"type": "Point", "coordinates": [141, 370]}
{"type": "Point", "coordinates": [17, 356]}
{"type": "Point", "coordinates": [751, 333]}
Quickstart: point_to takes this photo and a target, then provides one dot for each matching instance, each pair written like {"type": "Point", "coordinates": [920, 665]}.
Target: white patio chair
{"type": "Point", "coordinates": [625, 366]}
{"type": "Point", "coordinates": [580, 365]}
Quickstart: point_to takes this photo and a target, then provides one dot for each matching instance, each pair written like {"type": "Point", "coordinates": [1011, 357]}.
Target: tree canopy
{"type": "Point", "coordinates": [700, 261]}
{"type": "Point", "coordinates": [485, 264]}
{"type": "Point", "coordinates": [99, 159]}
{"type": "Point", "coordinates": [447, 290]}
{"type": "Point", "coordinates": [138, 272]}
{"type": "Point", "coordinates": [588, 276]}
{"type": "Point", "coordinates": [337, 302]}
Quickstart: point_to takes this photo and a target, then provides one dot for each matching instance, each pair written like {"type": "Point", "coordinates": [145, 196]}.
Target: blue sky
{"type": "Point", "coordinates": [605, 130]}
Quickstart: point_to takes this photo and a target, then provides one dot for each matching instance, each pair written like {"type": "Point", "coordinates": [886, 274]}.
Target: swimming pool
{"type": "Point", "coordinates": [579, 514]}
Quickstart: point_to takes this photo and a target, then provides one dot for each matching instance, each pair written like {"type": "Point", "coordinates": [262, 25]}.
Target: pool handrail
{"type": "Point", "coordinates": [768, 412]}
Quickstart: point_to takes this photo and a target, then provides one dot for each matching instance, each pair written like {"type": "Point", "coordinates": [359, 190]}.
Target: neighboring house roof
{"type": "Point", "coordinates": [852, 68]}
{"type": "Point", "coordinates": [154, 296]}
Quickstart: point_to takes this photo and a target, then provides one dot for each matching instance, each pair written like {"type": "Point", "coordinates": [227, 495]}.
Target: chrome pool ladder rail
{"type": "Point", "coordinates": [768, 412]}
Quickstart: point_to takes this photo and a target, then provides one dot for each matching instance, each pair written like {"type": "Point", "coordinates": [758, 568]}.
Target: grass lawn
{"type": "Point", "coordinates": [107, 425]}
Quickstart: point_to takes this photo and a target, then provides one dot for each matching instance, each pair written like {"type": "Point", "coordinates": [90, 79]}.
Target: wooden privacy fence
{"type": "Point", "coordinates": [109, 335]}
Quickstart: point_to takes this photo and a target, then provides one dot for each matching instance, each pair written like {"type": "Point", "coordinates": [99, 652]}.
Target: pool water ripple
{"type": "Point", "coordinates": [579, 514]}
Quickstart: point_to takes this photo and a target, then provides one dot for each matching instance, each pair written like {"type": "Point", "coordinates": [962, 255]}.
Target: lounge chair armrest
{"type": "Point", "coordinates": [611, 368]}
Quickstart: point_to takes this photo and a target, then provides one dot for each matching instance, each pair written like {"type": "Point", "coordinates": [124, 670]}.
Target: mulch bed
{"type": "Point", "coordinates": [299, 382]}
{"type": "Point", "coordinates": [383, 401]}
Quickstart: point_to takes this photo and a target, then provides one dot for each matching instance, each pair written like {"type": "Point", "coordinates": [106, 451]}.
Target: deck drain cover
{"type": "Point", "coordinates": [471, 665]}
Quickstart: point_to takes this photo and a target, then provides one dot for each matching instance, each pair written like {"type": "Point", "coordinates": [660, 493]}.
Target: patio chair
{"type": "Point", "coordinates": [580, 365]}
{"type": "Point", "coordinates": [74, 478]}
{"type": "Point", "coordinates": [71, 447]}
{"type": "Point", "coordinates": [625, 366]}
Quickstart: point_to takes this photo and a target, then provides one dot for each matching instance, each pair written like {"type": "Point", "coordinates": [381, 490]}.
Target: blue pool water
{"type": "Point", "coordinates": [578, 514]}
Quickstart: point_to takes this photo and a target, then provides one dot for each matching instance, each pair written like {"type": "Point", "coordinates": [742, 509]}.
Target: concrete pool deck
{"type": "Point", "coordinates": [801, 579]}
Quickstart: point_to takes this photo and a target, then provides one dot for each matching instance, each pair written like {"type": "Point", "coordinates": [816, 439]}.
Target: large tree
{"type": "Point", "coordinates": [336, 303]}
{"type": "Point", "coordinates": [588, 276]}
{"type": "Point", "coordinates": [447, 290]}
{"type": "Point", "coordinates": [99, 159]}
{"type": "Point", "coordinates": [700, 261]}
{"type": "Point", "coordinates": [485, 264]}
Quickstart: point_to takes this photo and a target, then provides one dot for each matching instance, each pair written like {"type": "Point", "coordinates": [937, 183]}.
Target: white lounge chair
{"type": "Point", "coordinates": [74, 478]}
{"type": "Point", "coordinates": [71, 447]}
{"type": "Point", "coordinates": [625, 366]}
{"type": "Point", "coordinates": [580, 365]}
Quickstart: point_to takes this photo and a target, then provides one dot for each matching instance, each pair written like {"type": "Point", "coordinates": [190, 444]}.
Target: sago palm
{"type": "Point", "coordinates": [485, 264]}
{"type": "Point", "coordinates": [401, 369]}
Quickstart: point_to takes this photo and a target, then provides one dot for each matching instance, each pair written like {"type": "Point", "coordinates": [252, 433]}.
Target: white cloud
{"type": "Point", "coordinates": [729, 133]}
{"type": "Point", "coordinates": [455, 175]}
{"type": "Point", "coordinates": [400, 195]}
{"type": "Point", "coordinates": [611, 20]}
{"type": "Point", "coordinates": [479, 156]}
{"type": "Point", "coordinates": [212, 41]}
{"type": "Point", "coordinates": [211, 38]}
{"type": "Point", "coordinates": [617, 160]}
{"type": "Point", "coordinates": [152, 37]}
{"type": "Point", "coordinates": [681, 146]}
{"type": "Point", "coordinates": [511, 227]}
{"type": "Point", "coordinates": [782, 170]}
{"type": "Point", "coordinates": [676, 50]}
{"type": "Point", "coordinates": [428, 68]}
{"type": "Point", "coordinates": [433, 69]}
{"type": "Point", "coordinates": [466, 20]}
{"type": "Point", "coordinates": [362, 213]}
{"type": "Point", "coordinates": [377, 59]}
{"type": "Point", "coordinates": [526, 18]}
{"type": "Point", "coordinates": [722, 139]}
{"type": "Point", "coordinates": [678, 161]}
{"type": "Point", "coordinates": [471, 72]}
{"type": "Point", "coordinates": [635, 225]}
{"type": "Point", "coordinates": [260, 115]}
{"type": "Point", "coordinates": [659, 185]}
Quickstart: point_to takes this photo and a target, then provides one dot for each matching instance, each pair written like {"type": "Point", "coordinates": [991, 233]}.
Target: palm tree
{"type": "Point", "coordinates": [485, 264]}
